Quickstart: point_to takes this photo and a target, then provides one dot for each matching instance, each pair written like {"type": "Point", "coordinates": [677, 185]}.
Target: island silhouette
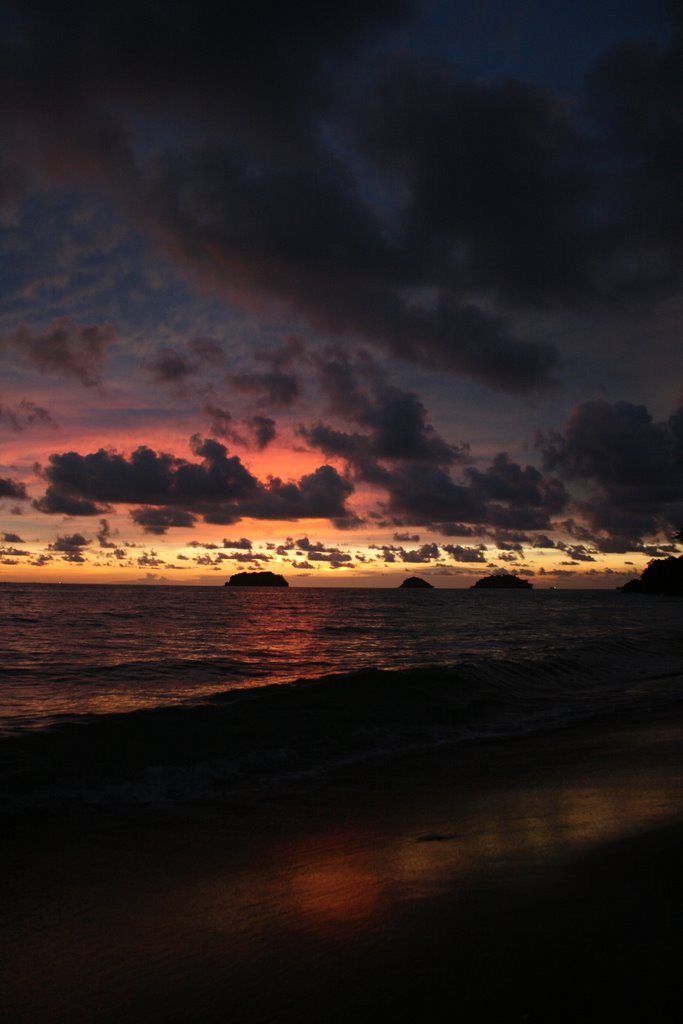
{"type": "Point", "coordinates": [661, 576]}
{"type": "Point", "coordinates": [502, 582]}
{"type": "Point", "coordinates": [257, 579]}
{"type": "Point", "coordinates": [415, 582]}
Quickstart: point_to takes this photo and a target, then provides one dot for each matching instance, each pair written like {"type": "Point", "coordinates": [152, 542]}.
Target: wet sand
{"type": "Point", "coordinates": [534, 879]}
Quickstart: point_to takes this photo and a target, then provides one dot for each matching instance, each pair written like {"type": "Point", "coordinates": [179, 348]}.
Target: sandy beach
{"type": "Point", "coordinates": [534, 879]}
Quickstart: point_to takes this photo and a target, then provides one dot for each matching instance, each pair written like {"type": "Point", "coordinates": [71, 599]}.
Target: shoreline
{"type": "Point", "coordinates": [532, 878]}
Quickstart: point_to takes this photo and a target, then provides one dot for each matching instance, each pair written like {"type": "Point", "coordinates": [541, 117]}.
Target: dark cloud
{"type": "Point", "coordinates": [379, 195]}
{"type": "Point", "coordinates": [396, 421]}
{"type": "Point", "coordinates": [506, 481]}
{"type": "Point", "coordinates": [426, 553]}
{"type": "Point", "coordinates": [454, 529]}
{"type": "Point", "coordinates": [169, 366]}
{"type": "Point", "coordinates": [263, 429]}
{"type": "Point", "coordinates": [427, 494]}
{"type": "Point", "coordinates": [274, 388]}
{"type": "Point", "coordinates": [25, 414]}
{"type": "Point", "coordinates": [70, 546]}
{"type": "Point", "coordinates": [221, 423]}
{"type": "Point", "coordinates": [159, 520]}
{"type": "Point", "coordinates": [104, 535]}
{"type": "Point", "coordinates": [460, 553]}
{"type": "Point", "coordinates": [634, 97]}
{"type": "Point", "coordinates": [172, 490]}
{"type": "Point", "coordinates": [629, 464]}
{"type": "Point", "coordinates": [150, 478]}
{"type": "Point", "coordinates": [316, 551]}
{"type": "Point", "coordinates": [13, 553]}
{"type": "Point", "coordinates": [243, 544]}
{"type": "Point", "coordinates": [149, 559]}
{"type": "Point", "coordinates": [66, 348]}
{"type": "Point", "coordinates": [318, 495]}
{"type": "Point", "coordinates": [516, 497]}
{"type": "Point", "coordinates": [12, 489]}
{"type": "Point", "coordinates": [12, 538]}
{"type": "Point", "coordinates": [56, 501]}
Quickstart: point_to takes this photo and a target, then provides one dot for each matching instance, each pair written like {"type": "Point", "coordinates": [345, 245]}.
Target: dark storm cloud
{"type": "Point", "coordinates": [56, 502]}
{"type": "Point", "coordinates": [396, 420]}
{"type": "Point", "coordinates": [516, 497]}
{"type": "Point", "coordinates": [173, 491]}
{"type": "Point", "coordinates": [159, 520]}
{"type": "Point", "coordinates": [66, 348]}
{"type": "Point", "coordinates": [493, 177]}
{"type": "Point", "coordinates": [307, 237]}
{"type": "Point", "coordinates": [12, 488]}
{"type": "Point", "coordinates": [262, 199]}
{"type": "Point", "coordinates": [318, 495]}
{"type": "Point", "coordinates": [634, 96]}
{"type": "Point", "coordinates": [388, 198]}
{"type": "Point", "coordinates": [150, 478]}
{"type": "Point", "coordinates": [427, 494]}
{"type": "Point", "coordinates": [630, 464]}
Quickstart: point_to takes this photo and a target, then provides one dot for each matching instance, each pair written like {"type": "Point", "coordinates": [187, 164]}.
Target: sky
{"type": "Point", "coordinates": [348, 293]}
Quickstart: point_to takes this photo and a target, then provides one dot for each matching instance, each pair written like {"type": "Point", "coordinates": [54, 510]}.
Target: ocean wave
{"type": "Point", "coordinates": [262, 736]}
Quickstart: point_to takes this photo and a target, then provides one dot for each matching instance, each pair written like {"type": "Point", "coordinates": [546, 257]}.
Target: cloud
{"type": "Point", "coordinates": [460, 553]}
{"type": "Point", "coordinates": [427, 494]}
{"type": "Point", "coordinates": [272, 389]}
{"type": "Point", "coordinates": [630, 464]}
{"type": "Point", "coordinates": [221, 423]}
{"type": "Point", "coordinates": [169, 366]}
{"type": "Point", "coordinates": [12, 538]}
{"type": "Point", "coordinates": [374, 190]}
{"type": "Point", "coordinates": [104, 535]}
{"type": "Point", "coordinates": [70, 546]}
{"type": "Point", "coordinates": [396, 421]}
{"type": "Point", "coordinates": [316, 551]}
{"type": "Point", "coordinates": [263, 429]}
{"type": "Point", "coordinates": [25, 414]}
{"type": "Point", "coordinates": [173, 491]}
{"type": "Point", "coordinates": [159, 520]}
{"type": "Point", "coordinates": [12, 489]}
{"type": "Point", "coordinates": [66, 348]}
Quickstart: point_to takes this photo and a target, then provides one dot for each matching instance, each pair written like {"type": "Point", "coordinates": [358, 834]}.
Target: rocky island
{"type": "Point", "coordinates": [502, 582]}
{"type": "Point", "coordinates": [662, 576]}
{"type": "Point", "coordinates": [257, 579]}
{"type": "Point", "coordinates": [416, 583]}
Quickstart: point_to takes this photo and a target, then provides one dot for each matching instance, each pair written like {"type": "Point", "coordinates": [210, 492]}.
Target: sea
{"type": "Point", "coordinates": [121, 697]}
